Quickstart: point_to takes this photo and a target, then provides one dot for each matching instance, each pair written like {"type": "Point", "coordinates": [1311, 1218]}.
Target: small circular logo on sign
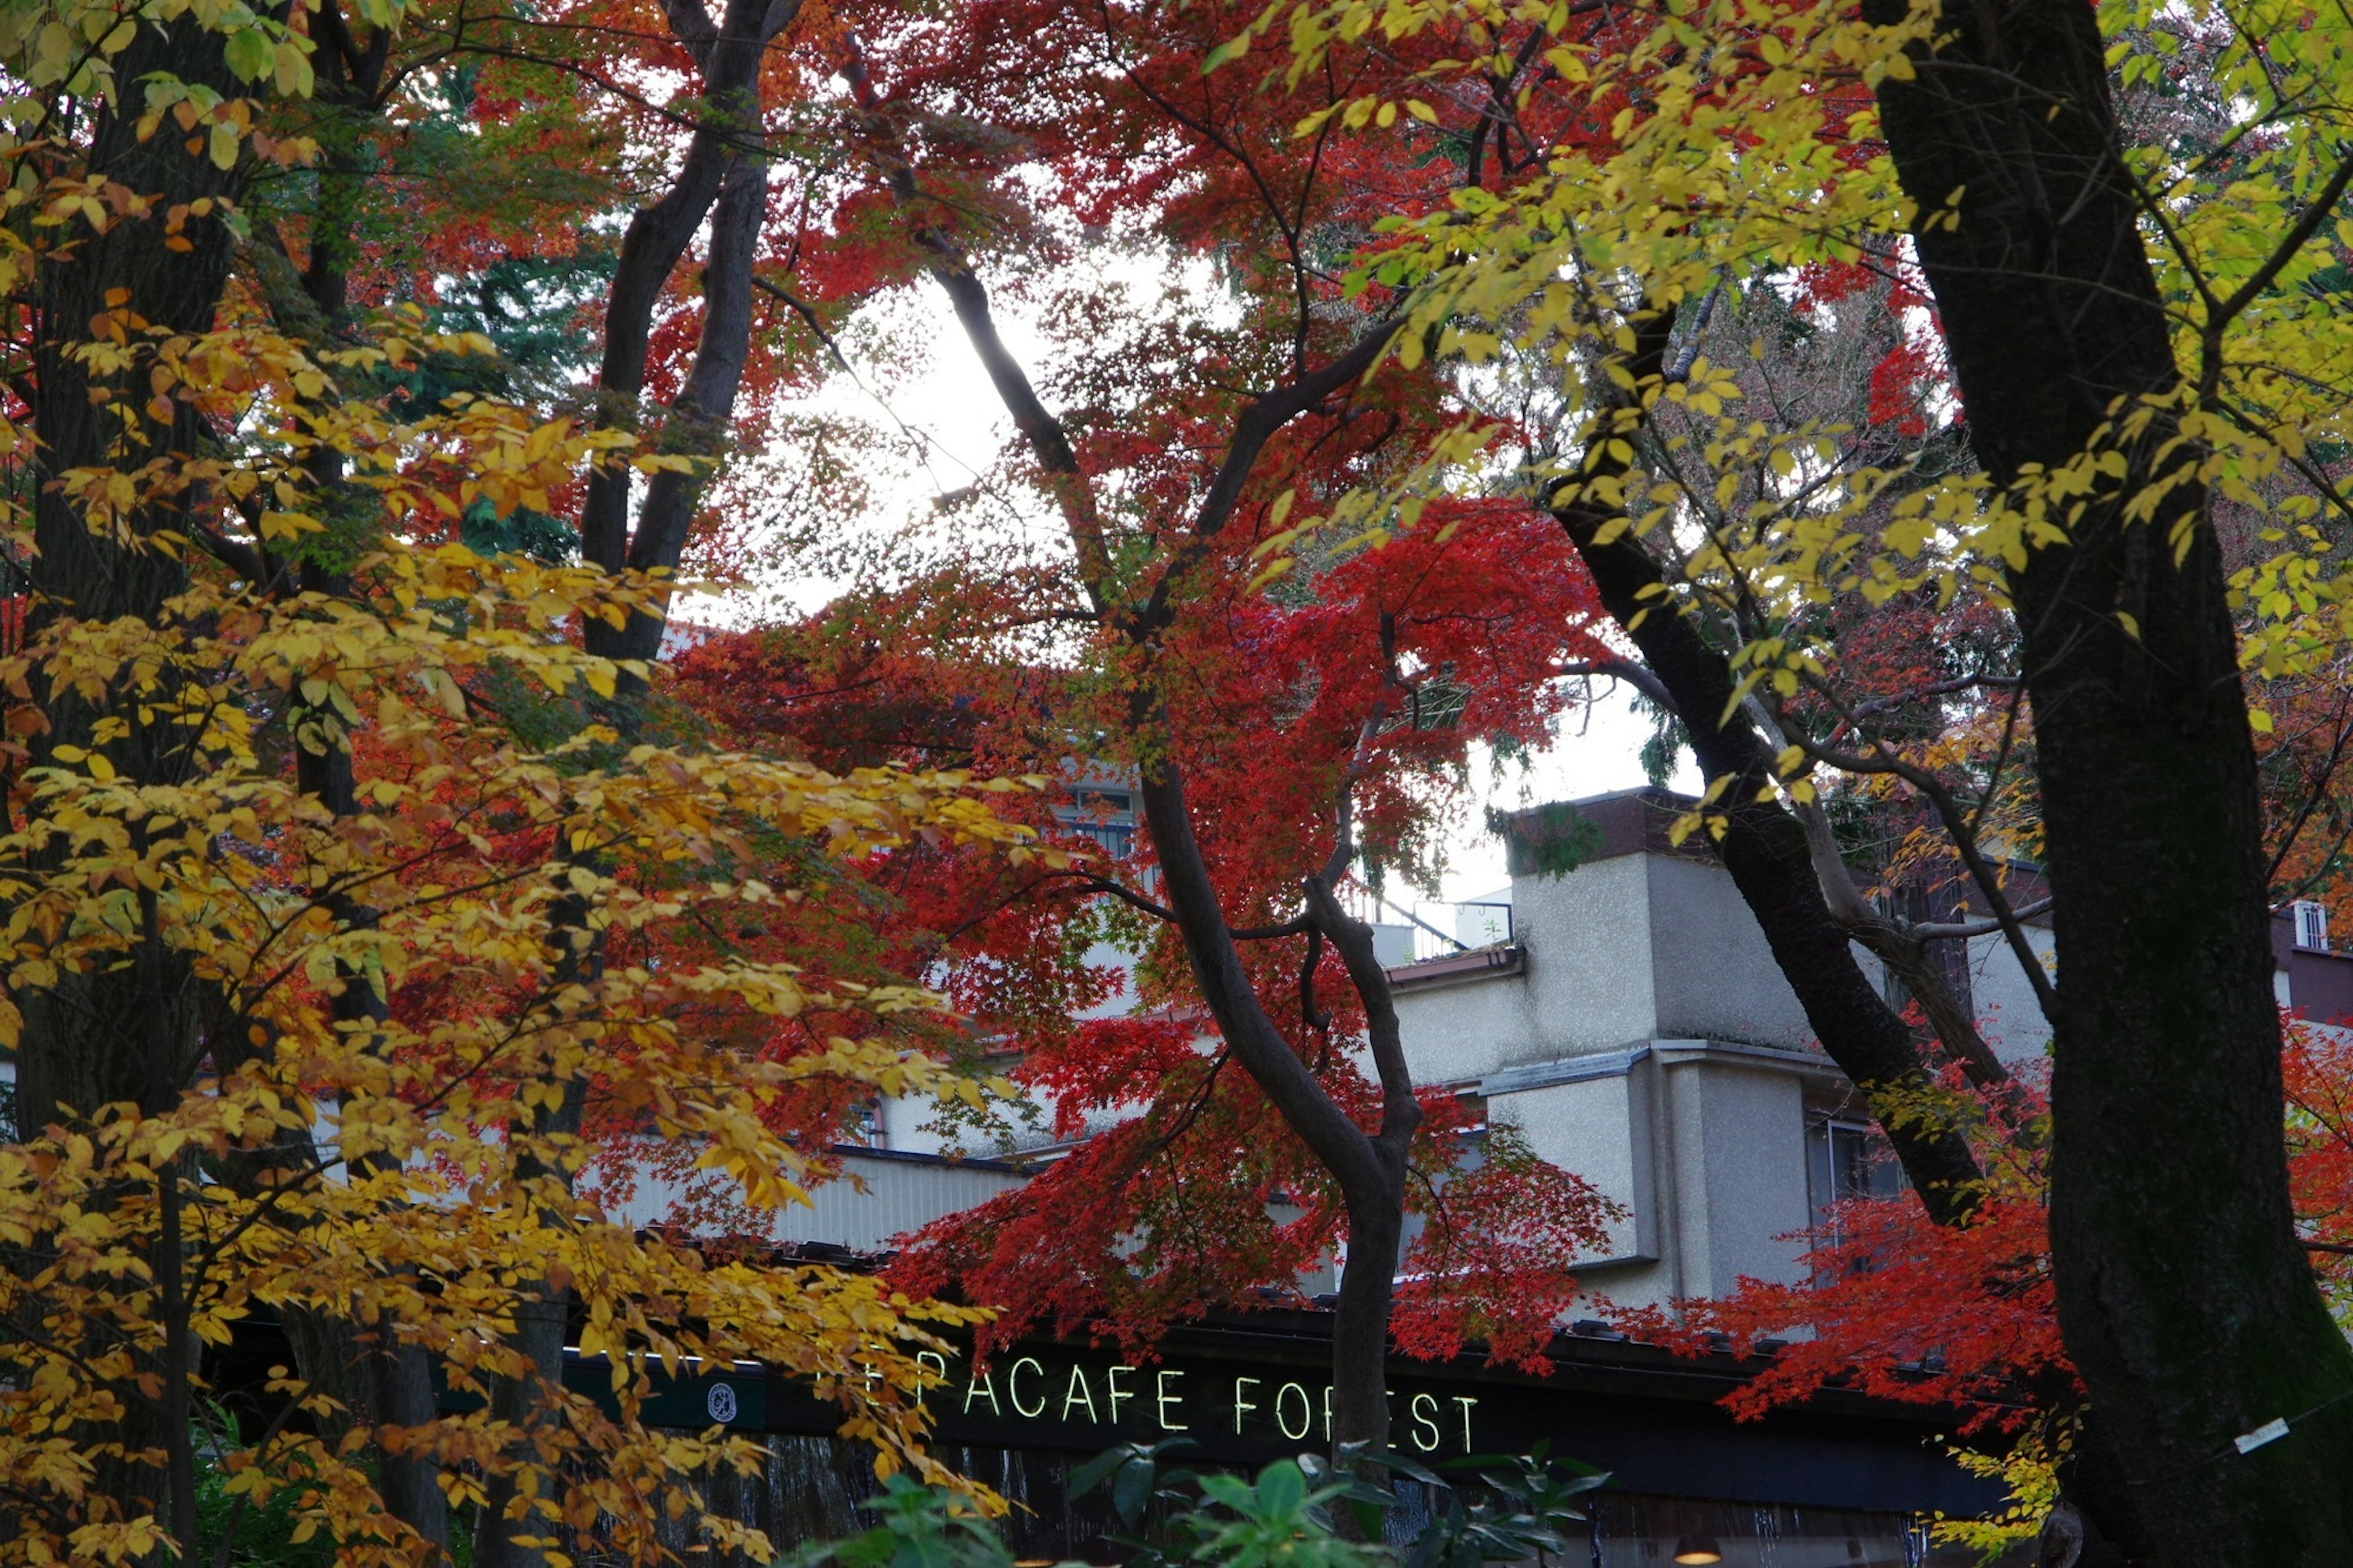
{"type": "Point", "coordinates": [720, 1402]}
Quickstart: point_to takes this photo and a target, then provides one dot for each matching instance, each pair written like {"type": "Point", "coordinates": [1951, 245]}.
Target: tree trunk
{"type": "Point", "coordinates": [698, 418]}
{"type": "Point", "coordinates": [729, 56]}
{"type": "Point", "coordinates": [1809, 943]}
{"type": "Point", "coordinates": [508, 1522]}
{"type": "Point", "coordinates": [1762, 846]}
{"type": "Point", "coordinates": [376, 1380]}
{"type": "Point", "coordinates": [91, 1040]}
{"type": "Point", "coordinates": [1360, 1325]}
{"type": "Point", "coordinates": [723, 175]}
{"type": "Point", "coordinates": [1368, 1168]}
{"type": "Point", "coordinates": [86, 1040]}
{"type": "Point", "coordinates": [2184, 1297]}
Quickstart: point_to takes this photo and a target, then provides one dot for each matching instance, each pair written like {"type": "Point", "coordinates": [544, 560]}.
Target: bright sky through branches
{"type": "Point", "coordinates": [929, 392]}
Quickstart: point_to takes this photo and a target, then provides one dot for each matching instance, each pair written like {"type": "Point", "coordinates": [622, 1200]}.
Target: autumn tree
{"type": "Point", "coordinates": [1281, 748]}
{"type": "Point", "coordinates": [2074, 274]}
{"type": "Point", "coordinates": [326, 889]}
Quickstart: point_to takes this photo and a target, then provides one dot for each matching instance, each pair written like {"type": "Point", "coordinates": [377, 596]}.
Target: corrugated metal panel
{"type": "Point", "coordinates": [902, 1194]}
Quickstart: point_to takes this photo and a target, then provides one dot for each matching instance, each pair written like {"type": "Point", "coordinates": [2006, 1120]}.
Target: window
{"type": "Point", "coordinates": [1847, 1160]}
{"type": "Point", "coordinates": [1114, 838]}
{"type": "Point", "coordinates": [1105, 815]}
{"type": "Point", "coordinates": [865, 1126]}
{"type": "Point", "coordinates": [2311, 924]}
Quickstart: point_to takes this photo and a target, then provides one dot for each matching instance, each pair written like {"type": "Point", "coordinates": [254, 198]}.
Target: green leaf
{"type": "Point", "coordinates": [1229, 1491]}
{"type": "Point", "coordinates": [251, 54]}
{"type": "Point", "coordinates": [1233, 49]}
{"type": "Point", "coordinates": [1282, 1490]}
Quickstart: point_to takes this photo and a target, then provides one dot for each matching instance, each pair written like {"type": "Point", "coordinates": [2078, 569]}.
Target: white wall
{"type": "Point", "coordinates": [1713, 976]}
{"type": "Point", "coordinates": [1702, 1142]}
{"type": "Point", "coordinates": [1739, 1173]}
{"type": "Point", "coordinates": [2008, 1016]}
{"type": "Point", "coordinates": [1634, 948]}
{"type": "Point", "coordinates": [1586, 986]}
{"type": "Point", "coordinates": [1600, 1128]}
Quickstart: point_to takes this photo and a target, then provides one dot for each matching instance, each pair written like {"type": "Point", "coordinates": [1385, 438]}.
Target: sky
{"type": "Point", "coordinates": [940, 394]}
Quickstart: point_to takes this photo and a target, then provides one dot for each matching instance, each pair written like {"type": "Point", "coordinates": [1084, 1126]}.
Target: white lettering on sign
{"type": "Point", "coordinates": [1078, 1393]}
{"type": "Point", "coordinates": [935, 1363]}
{"type": "Point", "coordinates": [720, 1402]}
{"type": "Point", "coordinates": [1167, 1399]}
{"type": "Point", "coordinates": [1267, 1406]}
{"type": "Point", "coordinates": [1424, 1420]}
{"type": "Point", "coordinates": [1013, 1386]}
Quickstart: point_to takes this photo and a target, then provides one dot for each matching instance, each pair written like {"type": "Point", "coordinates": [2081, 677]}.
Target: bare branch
{"type": "Point", "coordinates": [801, 308]}
{"type": "Point", "coordinates": [1956, 823]}
{"type": "Point", "coordinates": [1635, 674]}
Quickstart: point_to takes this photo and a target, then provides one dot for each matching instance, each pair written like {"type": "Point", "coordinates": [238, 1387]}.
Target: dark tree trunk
{"type": "Point", "coordinates": [2184, 1297]}
{"type": "Point", "coordinates": [509, 1521]}
{"type": "Point", "coordinates": [1764, 847]}
{"type": "Point", "coordinates": [725, 176]}
{"type": "Point", "coordinates": [377, 1381]}
{"type": "Point", "coordinates": [87, 1042]}
{"type": "Point", "coordinates": [698, 418]}
{"type": "Point", "coordinates": [1369, 1168]}
{"type": "Point", "coordinates": [1360, 1322]}
{"type": "Point", "coordinates": [91, 1040]}
{"type": "Point", "coordinates": [728, 53]}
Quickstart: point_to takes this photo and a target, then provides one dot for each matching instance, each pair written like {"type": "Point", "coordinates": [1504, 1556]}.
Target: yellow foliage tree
{"type": "Point", "coordinates": [2130, 220]}
{"type": "Point", "coordinates": [254, 796]}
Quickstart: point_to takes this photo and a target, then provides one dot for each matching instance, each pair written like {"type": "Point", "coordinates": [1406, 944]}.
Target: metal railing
{"type": "Point", "coordinates": [1416, 932]}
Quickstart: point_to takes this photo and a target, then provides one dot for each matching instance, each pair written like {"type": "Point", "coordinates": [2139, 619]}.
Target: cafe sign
{"type": "Point", "coordinates": [1058, 1396]}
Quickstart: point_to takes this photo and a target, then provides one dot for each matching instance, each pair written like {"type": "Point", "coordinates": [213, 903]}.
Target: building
{"type": "Point", "coordinates": [1627, 1016]}
{"type": "Point", "coordinates": [1636, 1030]}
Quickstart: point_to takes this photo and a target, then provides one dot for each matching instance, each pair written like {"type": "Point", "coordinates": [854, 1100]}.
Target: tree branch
{"type": "Point", "coordinates": [1632, 674]}
{"type": "Point", "coordinates": [1956, 825]}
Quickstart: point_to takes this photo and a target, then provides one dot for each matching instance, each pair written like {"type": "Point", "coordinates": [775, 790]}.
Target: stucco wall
{"type": "Point", "coordinates": [2008, 1016]}
{"type": "Point", "coordinates": [1589, 972]}
{"type": "Point", "coordinates": [1713, 972]}
{"type": "Point", "coordinates": [1586, 986]}
{"type": "Point", "coordinates": [1633, 948]}
{"type": "Point", "coordinates": [1739, 1153]}
{"type": "Point", "coordinates": [1702, 1142]}
{"type": "Point", "coordinates": [1599, 1128]}
{"type": "Point", "coordinates": [1462, 1032]}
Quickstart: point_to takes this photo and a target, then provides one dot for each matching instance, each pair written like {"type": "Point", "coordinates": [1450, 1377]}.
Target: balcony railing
{"type": "Point", "coordinates": [1416, 932]}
